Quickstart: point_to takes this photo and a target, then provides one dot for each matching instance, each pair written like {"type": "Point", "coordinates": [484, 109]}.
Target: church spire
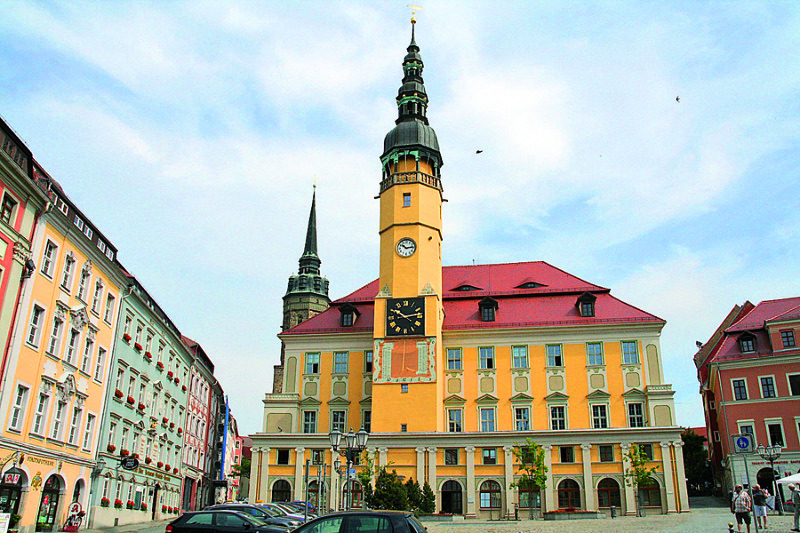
{"type": "Point", "coordinates": [309, 261]}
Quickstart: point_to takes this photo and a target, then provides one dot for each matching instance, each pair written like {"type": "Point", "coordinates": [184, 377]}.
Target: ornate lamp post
{"type": "Point", "coordinates": [354, 444]}
{"type": "Point", "coordinates": [770, 453]}
{"type": "Point", "coordinates": [337, 465]}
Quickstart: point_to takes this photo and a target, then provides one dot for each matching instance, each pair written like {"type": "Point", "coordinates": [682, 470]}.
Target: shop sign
{"type": "Point", "coordinates": [5, 521]}
{"type": "Point", "coordinates": [11, 479]}
{"type": "Point", "coordinates": [40, 460]}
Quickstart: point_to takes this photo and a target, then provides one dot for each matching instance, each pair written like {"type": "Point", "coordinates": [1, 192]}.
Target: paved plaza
{"type": "Point", "coordinates": [703, 520]}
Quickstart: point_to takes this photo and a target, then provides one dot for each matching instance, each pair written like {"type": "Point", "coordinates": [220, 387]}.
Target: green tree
{"type": "Point", "coordinates": [390, 493]}
{"type": "Point", "coordinates": [532, 472]}
{"type": "Point", "coordinates": [428, 505]}
{"type": "Point", "coordinates": [696, 463]}
{"type": "Point", "coordinates": [638, 473]}
{"type": "Point", "coordinates": [364, 477]}
{"type": "Point", "coordinates": [243, 469]}
{"type": "Point", "coordinates": [414, 494]}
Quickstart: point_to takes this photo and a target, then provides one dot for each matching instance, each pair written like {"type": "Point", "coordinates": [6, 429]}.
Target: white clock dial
{"type": "Point", "coordinates": [406, 247]}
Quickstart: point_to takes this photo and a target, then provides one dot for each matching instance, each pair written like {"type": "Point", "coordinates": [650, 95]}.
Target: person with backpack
{"type": "Point", "coordinates": [741, 507]}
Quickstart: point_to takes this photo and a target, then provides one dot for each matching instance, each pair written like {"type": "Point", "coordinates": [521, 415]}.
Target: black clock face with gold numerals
{"type": "Point", "coordinates": [405, 316]}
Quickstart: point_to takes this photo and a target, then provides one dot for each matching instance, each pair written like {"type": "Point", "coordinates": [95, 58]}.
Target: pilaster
{"type": "Point", "coordinates": [669, 478]}
{"type": "Point", "coordinates": [298, 473]}
{"type": "Point", "coordinates": [432, 476]}
{"type": "Point", "coordinates": [683, 495]}
{"type": "Point", "coordinates": [588, 486]}
{"type": "Point", "coordinates": [548, 496]}
{"type": "Point", "coordinates": [630, 495]}
{"type": "Point", "coordinates": [508, 453]}
{"type": "Point", "coordinates": [470, 482]}
{"type": "Point", "coordinates": [421, 465]}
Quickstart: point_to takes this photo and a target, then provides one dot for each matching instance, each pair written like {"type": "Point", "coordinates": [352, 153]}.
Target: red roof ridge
{"type": "Point", "coordinates": [782, 313]}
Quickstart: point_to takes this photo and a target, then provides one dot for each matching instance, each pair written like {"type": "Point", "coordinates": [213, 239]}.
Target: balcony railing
{"type": "Point", "coordinates": [411, 177]}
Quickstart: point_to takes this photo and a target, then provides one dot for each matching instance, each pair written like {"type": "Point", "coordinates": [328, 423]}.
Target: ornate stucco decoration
{"type": "Point", "coordinates": [79, 317]}
{"type": "Point", "coordinates": [91, 333]}
{"type": "Point", "coordinates": [65, 388]}
{"type": "Point", "coordinates": [61, 311]}
{"type": "Point", "coordinates": [87, 266]}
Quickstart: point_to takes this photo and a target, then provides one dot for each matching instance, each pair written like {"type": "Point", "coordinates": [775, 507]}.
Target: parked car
{"type": "Point", "coordinates": [219, 521]}
{"type": "Point", "coordinates": [262, 513]}
{"type": "Point", "coordinates": [360, 521]}
{"type": "Point", "coordinates": [302, 507]}
{"type": "Point", "coordinates": [282, 510]}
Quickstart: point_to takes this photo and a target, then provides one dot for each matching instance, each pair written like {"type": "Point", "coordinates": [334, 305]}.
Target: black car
{"type": "Point", "coordinates": [363, 522]}
{"type": "Point", "coordinates": [221, 521]}
{"type": "Point", "coordinates": [262, 513]}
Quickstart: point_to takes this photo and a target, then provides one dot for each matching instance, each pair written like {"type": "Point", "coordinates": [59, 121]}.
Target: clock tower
{"type": "Point", "coordinates": [408, 307]}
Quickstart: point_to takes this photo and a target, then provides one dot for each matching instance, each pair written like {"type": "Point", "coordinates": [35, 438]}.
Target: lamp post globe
{"type": "Point", "coordinates": [770, 453]}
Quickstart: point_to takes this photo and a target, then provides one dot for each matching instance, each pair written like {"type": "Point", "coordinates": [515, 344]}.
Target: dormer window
{"type": "Point", "coordinates": [747, 342]}
{"type": "Point", "coordinates": [465, 288]}
{"type": "Point", "coordinates": [349, 313]}
{"type": "Point", "coordinates": [530, 285]}
{"type": "Point", "coordinates": [585, 304]}
{"type": "Point", "coordinates": [488, 309]}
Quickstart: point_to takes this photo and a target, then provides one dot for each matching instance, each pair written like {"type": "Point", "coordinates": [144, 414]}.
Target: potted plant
{"type": "Point", "coordinates": [143, 506]}
{"type": "Point", "coordinates": [183, 388]}
{"type": "Point", "coordinates": [118, 393]}
{"type": "Point", "coordinates": [166, 467]}
{"type": "Point", "coordinates": [159, 464]}
{"type": "Point", "coordinates": [163, 508]}
{"type": "Point", "coordinates": [141, 406]}
{"type": "Point", "coordinates": [129, 505]}
{"type": "Point", "coordinates": [180, 430]}
{"type": "Point", "coordinates": [124, 453]}
{"type": "Point", "coordinates": [169, 374]}
{"type": "Point", "coordinates": [136, 455]}
{"type": "Point", "coordinates": [126, 338]}
{"type": "Point", "coordinates": [111, 448]}
{"type": "Point", "coordinates": [117, 504]}
{"type": "Point", "coordinates": [148, 460]}
{"type": "Point", "coordinates": [164, 420]}
{"type": "Point", "coordinates": [177, 380]}
{"type": "Point", "coordinates": [160, 365]}
{"type": "Point", "coordinates": [148, 355]}
{"type": "Point", "coordinates": [174, 470]}
{"type": "Point", "coordinates": [130, 400]}
{"type": "Point", "coordinates": [105, 502]}
{"type": "Point", "coordinates": [172, 425]}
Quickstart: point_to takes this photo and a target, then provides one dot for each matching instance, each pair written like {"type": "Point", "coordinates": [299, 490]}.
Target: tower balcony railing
{"type": "Point", "coordinates": [411, 177]}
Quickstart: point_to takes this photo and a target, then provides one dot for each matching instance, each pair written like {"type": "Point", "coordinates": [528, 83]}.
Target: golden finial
{"type": "Point", "coordinates": [315, 181]}
{"type": "Point", "coordinates": [414, 10]}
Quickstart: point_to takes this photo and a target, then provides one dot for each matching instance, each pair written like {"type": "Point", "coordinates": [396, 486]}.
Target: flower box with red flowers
{"type": "Point", "coordinates": [172, 425]}
{"type": "Point", "coordinates": [105, 502]}
{"type": "Point", "coordinates": [118, 393]}
{"type": "Point", "coordinates": [124, 453]}
{"type": "Point", "coordinates": [166, 467]}
{"type": "Point", "coordinates": [126, 338]}
{"type": "Point", "coordinates": [159, 464]}
{"type": "Point", "coordinates": [160, 365]}
{"type": "Point", "coordinates": [164, 420]}
{"type": "Point", "coordinates": [129, 505]}
{"type": "Point", "coordinates": [183, 388]}
{"type": "Point", "coordinates": [136, 455]}
{"type": "Point", "coordinates": [118, 504]}
{"type": "Point", "coordinates": [137, 346]}
{"type": "Point", "coordinates": [148, 355]}
{"type": "Point", "coordinates": [177, 380]}
{"type": "Point", "coordinates": [111, 448]}
{"type": "Point", "coordinates": [141, 406]}
{"type": "Point", "coordinates": [148, 460]}
{"type": "Point", "coordinates": [143, 507]}
{"type": "Point", "coordinates": [180, 430]}
{"type": "Point", "coordinates": [170, 374]}
{"type": "Point", "coordinates": [130, 400]}
{"type": "Point", "coordinates": [163, 508]}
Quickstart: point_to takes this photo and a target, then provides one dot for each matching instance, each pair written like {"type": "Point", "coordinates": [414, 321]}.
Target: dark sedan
{"type": "Point", "coordinates": [221, 521]}
{"type": "Point", "coordinates": [364, 522]}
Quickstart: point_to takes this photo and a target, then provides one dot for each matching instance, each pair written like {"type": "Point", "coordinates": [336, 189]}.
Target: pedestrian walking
{"type": "Point", "coordinates": [795, 489]}
{"type": "Point", "coordinates": [760, 506]}
{"type": "Point", "coordinates": [741, 506]}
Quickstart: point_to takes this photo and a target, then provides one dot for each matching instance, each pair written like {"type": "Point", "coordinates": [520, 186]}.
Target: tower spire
{"type": "Point", "coordinates": [311, 232]}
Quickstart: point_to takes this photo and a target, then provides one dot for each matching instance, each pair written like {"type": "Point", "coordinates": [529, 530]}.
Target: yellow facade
{"type": "Point", "coordinates": [57, 373]}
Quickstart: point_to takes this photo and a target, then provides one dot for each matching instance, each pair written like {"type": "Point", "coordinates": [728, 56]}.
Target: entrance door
{"type": "Point", "coordinates": [48, 507]}
{"type": "Point", "coordinates": [155, 501]}
{"type": "Point", "coordinates": [451, 498]}
{"type": "Point", "coordinates": [11, 491]}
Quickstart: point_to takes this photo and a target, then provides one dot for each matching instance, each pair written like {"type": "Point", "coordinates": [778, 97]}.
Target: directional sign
{"type": "Point", "coordinates": [129, 463]}
{"type": "Point", "coordinates": [744, 443]}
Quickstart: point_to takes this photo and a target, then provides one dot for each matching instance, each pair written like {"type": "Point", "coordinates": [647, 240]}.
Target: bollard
{"type": "Point", "coordinates": [613, 511]}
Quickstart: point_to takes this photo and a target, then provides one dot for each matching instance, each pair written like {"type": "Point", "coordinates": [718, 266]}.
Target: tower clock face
{"type": "Point", "coordinates": [405, 316]}
{"type": "Point", "coordinates": [406, 247]}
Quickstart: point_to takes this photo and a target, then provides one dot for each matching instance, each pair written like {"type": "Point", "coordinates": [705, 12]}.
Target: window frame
{"type": "Point", "coordinates": [737, 389]}
{"type": "Point", "coordinates": [451, 456]}
{"type": "Point", "coordinates": [484, 423]}
{"type": "Point", "coordinates": [563, 419]}
{"type": "Point", "coordinates": [456, 362]}
{"type": "Point", "coordinates": [341, 366]}
{"type": "Point", "coordinates": [489, 455]}
{"type": "Point", "coordinates": [794, 388]}
{"type": "Point", "coordinates": [33, 335]}
{"type": "Point", "coordinates": [634, 357]}
{"type": "Point", "coordinates": [787, 338]}
{"type": "Point", "coordinates": [770, 388]}
{"type": "Point", "coordinates": [310, 421]}
{"type": "Point", "coordinates": [633, 418]}
{"type": "Point", "coordinates": [49, 259]}
{"type": "Point", "coordinates": [451, 422]}
{"type": "Point", "coordinates": [526, 420]}
{"type": "Point", "coordinates": [603, 453]}
{"type": "Point", "coordinates": [369, 361]}
{"type": "Point", "coordinates": [554, 360]}
{"type": "Point", "coordinates": [600, 420]}
{"type": "Point", "coordinates": [19, 407]}
{"type": "Point", "coordinates": [590, 356]}
{"type": "Point", "coordinates": [489, 359]}
{"type": "Point", "coordinates": [520, 360]}
{"type": "Point", "coordinates": [341, 424]}
{"type": "Point", "coordinates": [775, 422]}
{"type": "Point", "coordinates": [566, 454]}
{"type": "Point", "coordinates": [311, 363]}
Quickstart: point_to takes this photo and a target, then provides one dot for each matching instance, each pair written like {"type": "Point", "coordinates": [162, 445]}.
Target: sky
{"type": "Point", "coordinates": [190, 133]}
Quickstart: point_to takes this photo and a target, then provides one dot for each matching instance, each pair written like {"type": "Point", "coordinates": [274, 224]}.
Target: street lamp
{"type": "Point", "coordinates": [337, 465]}
{"type": "Point", "coordinates": [770, 453]}
{"type": "Point", "coordinates": [354, 444]}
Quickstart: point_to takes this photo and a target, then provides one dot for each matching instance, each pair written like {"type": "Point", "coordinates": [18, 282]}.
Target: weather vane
{"type": "Point", "coordinates": [414, 10]}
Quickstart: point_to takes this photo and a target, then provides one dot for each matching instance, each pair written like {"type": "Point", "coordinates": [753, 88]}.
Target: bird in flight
{"type": "Point", "coordinates": [478, 151]}
{"type": "Point", "coordinates": [678, 99]}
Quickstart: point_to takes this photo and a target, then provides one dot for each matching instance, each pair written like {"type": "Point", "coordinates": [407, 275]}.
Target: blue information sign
{"type": "Point", "coordinates": [743, 443]}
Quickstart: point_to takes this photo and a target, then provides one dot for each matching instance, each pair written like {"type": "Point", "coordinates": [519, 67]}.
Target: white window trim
{"type": "Point", "coordinates": [622, 352]}
{"type": "Point", "coordinates": [53, 260]}
{"type": "Point", "coordinates": [45, 415]}
{"type": "Point", "coordinates": [480, 419]}
{"type": "Point", "coordinates": [44, 309]}
{"type": "Point", "coordinates": [645, 413]}
{"type": "Point", "coordinates": [447, 418]}
{"type": "Point", "coordinates": [789, 384]}
{"type": "Point", "coordinates": [23, 408]}
{"type": "Point", "coordinates": [550, 415]}
{"type": "Point", "coordinates": [779, 421]}
{"type": "Point", "coordinates": [602, 353]}
{"type": "Point", "coordinates": [797, 426]}
{"type": "Point", "coordinates": [774, 386]}
{"type": "Point", "coordinates": [514, 416]}
{"type": "Point", "coordinates": [527, 357]}
{"type": "Point", "coordinates": [608, 414]}
{"type": "Point", "coordinates": [747, 422]}
{"type": "Point", "coordinates": [547, 355]}
{"type": "Point", "coordinates": [746, 389]}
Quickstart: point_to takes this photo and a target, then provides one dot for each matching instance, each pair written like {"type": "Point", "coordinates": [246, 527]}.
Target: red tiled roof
{"type": "Point", "coordinates": [765, 311]}
{"type": "Point", "coordinates": [552, 304]}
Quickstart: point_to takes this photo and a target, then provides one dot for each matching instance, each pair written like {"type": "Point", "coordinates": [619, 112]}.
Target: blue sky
{"type": "Point", "coordinates": [190, 133]}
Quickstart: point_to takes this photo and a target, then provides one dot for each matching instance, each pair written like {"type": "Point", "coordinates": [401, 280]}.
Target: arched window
{"type": "Point", "coordinates": [281, 491]}
{"type": "Point", "coordinates": [490, 495]}
{"type": "Point", "coordinates": [451, 497]}
{"type": "Point", "coordinates": [528, 497]}
{"type": "Point", "coordinates": [608, 493]}
{"type": "Point", "coordinates": [569, 494]}
{"type": "Point", "coordinates": [650, 493]}
{"type": "Point", "coordinates": [356, 497]}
